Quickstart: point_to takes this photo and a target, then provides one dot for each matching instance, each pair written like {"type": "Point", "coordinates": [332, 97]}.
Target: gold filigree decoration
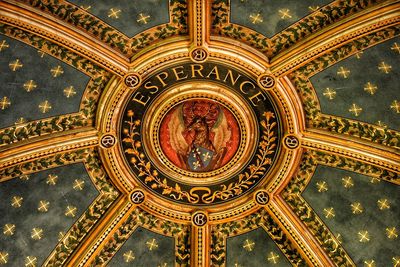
{"type": "Point", "coordinates": [245, 180]}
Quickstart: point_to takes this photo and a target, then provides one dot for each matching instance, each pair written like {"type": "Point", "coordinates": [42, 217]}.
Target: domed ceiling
{"type": "Point", "coordinates": [199, 133]}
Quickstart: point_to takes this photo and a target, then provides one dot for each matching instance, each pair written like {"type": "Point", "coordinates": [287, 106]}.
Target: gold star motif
{"type": "Point", "coordinates": [45, 106]}
{"type": "Point", "coordinates": [329, 93]}
{"type": "Point", "coordinates": [395, 47]}
{"type": "Point", "coordinates": [78, 184]}
{"type": "Point", "coordinates": [356, 208]}
{"type": "Point", "coordinates": [70, 211]}
{"type": "Point", "coordinates": [51, 179]}
{"type": "Point", "coordinates": [5, 103]}
{"type": "Point", "coordinates": [391, 233]}
{"type": "Point", "coordinates": [30, 261]}
{"type": "Point", "coordinates": [347, 182]}
{"type": "Point", "coordinates": [285, 13]}
{"type": "Point", "coordinates": [322, 186]}
{"type": "Point", "coordinates": [114, 13]}
{"type": "Point", "coordinates": [37, 233]}
{"type": "Point", "coordinates": [364, 236]}
{"type": "Point", "coordinates": [395, 106]}
{"type": "Point", "coordinates": [9, 229]}
{"type": "Point", "coordinates": [385, 68]}
{"type": "Point", "coordinates": [359, 54]}
{"type": "Point", "coordinates": [369, 263]}
{"type": "Point", "coordinates": [248, 245]}
{"type": "Point", "coordinates": [355, 110]}
{"type": "Point", "coordinates": [30, 85]}
{"type": "Point", "coordinates": [152, 244]}
{"type": "Point", "coordinates": [370, 88]}
{"type": "Point", "coordinates": [21, 120]}
{"type": "Point", "coordinates": [56, 71]}
{"type": "Point", "coordinates": [143, 19]}
{"type": "Point", "coordinates": [3, 45]}
{"type": "Point", "coordinates": [15, 65]}
{"type": "Point", "coordinates": [329, 213]}
{"type": "Point", "coordinates": [16, 201]}
{"type": "Point", "coordinates": [383, 204]}
{"type": "Point", "coordinates": [43, 206]}
{"type": "Point", "coordinates": [69, 91]}
{"type": "Point", "coordinates": [313, 8]}
{"type": "Point", "coordinates": [343, 72]}
{"type": "Point", "coordinates": [256, 18]}
{"type": "Point", "coordinates": [3, 255]}
{"type": "Point", "coordinates": [128, 256]}
{"type": "Point", "coordinates": [381, 124]}
{"type": "Point", "coordinates": [273, 258]}
{"type": "Point", "coordinates": [41, 53]}
{"type": "Point", "coordinates": [396, 261]}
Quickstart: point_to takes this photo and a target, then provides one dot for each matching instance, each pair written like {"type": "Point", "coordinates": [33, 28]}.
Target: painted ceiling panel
{"type": "Point", "coordinates": [269, 17]}
{"type": "Point", "coordinates": [127, 16]}
{"type": "Point", "coordinates": [363, 212]}
{"type": "Point", "coordinates": [38, 210]}
{"type": "Point", "coordinates": [35, 85]}
{"type": "Point", "coordinates": [145, 248]}
{"type": "Point", "coordinates": [363, 86]}
{"type": "Point", "coordinates": [254, 249]}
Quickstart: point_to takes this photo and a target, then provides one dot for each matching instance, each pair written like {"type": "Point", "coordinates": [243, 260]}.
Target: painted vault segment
{"type": "Point", "coordinates": [35, 85]}
{"type": "Point", "coordinates": [363, 86]}
{"type": "Point", "coordinates": [39, 209]}
{"type": "Point", "coordinates": [361, 211]}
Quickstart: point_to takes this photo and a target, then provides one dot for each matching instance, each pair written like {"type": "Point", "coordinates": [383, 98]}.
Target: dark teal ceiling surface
{"type": "Point", "coordinates": [35, 85]}
{"type": "Point", "coordinates": [254, 249]}
{"type": "Point", "coordinates": [128, 16]}
{"type": "Point", "coordinates": [362, 212]}
{"type": "Point", "coordinates": [269, 17]}
{"type": "Point", "coordinates": [39, 209]}
{"type": "Point", "coordinates": [364, 86]}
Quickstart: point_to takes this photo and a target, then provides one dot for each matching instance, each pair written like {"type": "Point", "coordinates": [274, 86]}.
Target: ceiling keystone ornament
{"type": "Point", "coordinates": [198, 132]}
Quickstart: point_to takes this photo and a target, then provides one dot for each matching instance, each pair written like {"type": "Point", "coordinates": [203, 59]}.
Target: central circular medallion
{"type": "Point", "coordinates": [200, 133]}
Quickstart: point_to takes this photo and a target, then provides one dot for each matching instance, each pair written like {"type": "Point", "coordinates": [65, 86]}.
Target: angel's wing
{"type": "Point", "coordinates": [176, 128]}
{"type": "Point", "coordinates": [222, 133]}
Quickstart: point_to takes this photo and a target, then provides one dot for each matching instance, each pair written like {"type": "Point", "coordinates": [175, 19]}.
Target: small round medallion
{"type": "Point", "coordinates": [261, 197]}
{"type": "Point", "coordinates": [199, 54]}
{"type": "Point", "coordinates": [266, 81]}
{"type": "Point", "coordinates": [137, 197]}
{"type": "Point", "coordinates": [291, 141]}
{"type": "Point", "coordinates": [132, 80]}
{"type": "Point", "coordinates": [108, 141]}
{"type": "Point", "coordinates": [199, 219]}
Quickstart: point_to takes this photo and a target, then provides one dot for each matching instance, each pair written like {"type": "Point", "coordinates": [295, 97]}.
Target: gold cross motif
{"type": "Point", "coordinates": [391, 233]}
{"type": "Point", "coordinates": [356, 208]}
{"type": "Point", "coordinates": [37, 233]}
{"type": "Point", "coordinates": [51, 179]}
{"type": "Point", "coordinates": [45, 106]}
{"type": "Point", "coordinates": [41, 53]}
{"type": "Point", "coordinates": [152, 244]}
{"type": "Point", "coordinates": [359, 54]}
{"type": "Point", "coordinates": [370, 88]}
{"type": "Point", "coordinates": [364, 236]}
{"type": "Point", "coordinates": [347, 182]}
{"type": "Point", "coordinates": [30, 85]}
{"type": "Point", "coordinates": [329, 213]}
{"type": "Point", "coordinates": [143, 19]}
{"type": "Point", "coordinates": [285, 13]}
{"type": "Point", "coordinates": [383, 204]}
{"type": "Point", "coordinates": [70, 211]}
{"type": "Point", "coordinates": [9, 229]}
{"type": "Point", "coordinates": [355, 110]}
{"type": "Point", "coordinates": [395, 47]}
{"type": "Point", "coordinates": [329, 93]}
{"type": "Point", "coordinates": [248, 245]}
{"type": "Point", "coordinates": [43, 206]}
{"type": "Point", "coordinates": [322, 186]}
{"type": "Point", "coordinates": [21, 120]}
{"type": "Point", "coordinates": [57, 71]}
{"type": "Point", "coordinates": [15, 65]}
{"type": "Point", "coordinates": [384, 67]}
{"type": "Point", "coordinates": [273, 257]}
{"type": "Point", "coordinates": [313, 8]}
{"type": "Point", "coordinates": [16, 201]}
{"type": "Point", "coordinates": [114, 13]}
{"type": "Point", "coordinates": [256, 18]}
{"type": "Point", "coordinates": [396, 261]}
{"type": "Point", "coordinates": [395, 106]}
{"type": "Point", "coordinates": [3, 45]}
{"type": "Point", "coordinates": [78, 184]}
{"type": "Point", "coordinates": [30, 261]}
{"type": "Point", "coordinates": [3, 257]}
{"type": "Point", "coordinates": [343, 72]}
{"type": "Point", "coordinates": [369, 263]}
{"type": "Point", "coordinates": [5, 103]}
{"type": "Point", "coordinates": [128, 256]}
{"type": "Point", "coordinates": [69, 91]}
